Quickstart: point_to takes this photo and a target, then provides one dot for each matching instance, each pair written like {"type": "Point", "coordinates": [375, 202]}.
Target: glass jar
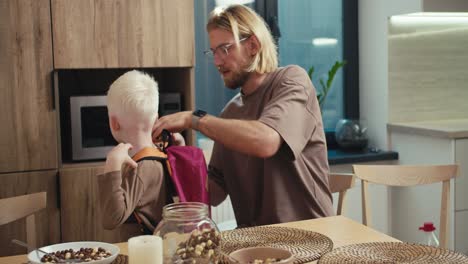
{"type": "Point", "coordinates": [189, 235]}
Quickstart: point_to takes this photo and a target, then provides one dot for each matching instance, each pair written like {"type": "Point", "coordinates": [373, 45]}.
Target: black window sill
{"type": "Point", "coordinates": [336, 156]}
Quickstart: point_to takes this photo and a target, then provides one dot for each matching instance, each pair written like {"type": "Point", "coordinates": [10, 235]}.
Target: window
{"type": "Point", "coordinates": [318, 33]}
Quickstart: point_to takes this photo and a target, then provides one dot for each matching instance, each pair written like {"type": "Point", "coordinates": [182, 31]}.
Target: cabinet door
{"type": "Point", "coordinates": [80, 214]}
{"type": "Point", "coordinates": [47, 221]}
{"type": "Point", "coordinates": [28, 136]}
{"type": "Point", "coordinates": [123, 33]}
{"type": "Point", "coordinates": [461, 182]}
{"type": "Point", "coordinates": [461, 232]}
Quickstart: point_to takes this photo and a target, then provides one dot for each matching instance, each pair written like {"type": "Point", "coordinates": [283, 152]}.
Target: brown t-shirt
{"type": "Point", "coordinates": [292, 184]}
{"type": "Point", "coordinates": [141, 190]}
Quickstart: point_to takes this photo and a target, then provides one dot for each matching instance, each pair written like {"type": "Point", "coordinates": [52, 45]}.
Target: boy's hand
{"type": "Point", "coordinates": [119, 156]}
{"type": "Point", "coordinates": [178, 139]}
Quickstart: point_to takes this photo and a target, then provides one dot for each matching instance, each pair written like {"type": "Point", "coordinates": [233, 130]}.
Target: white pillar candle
{"type": "Point", "coordinates": [145, 249]}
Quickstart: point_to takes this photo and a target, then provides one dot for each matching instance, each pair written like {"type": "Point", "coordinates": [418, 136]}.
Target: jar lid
{"type": "Point", "coordinates": [185, 211]}
{"type": "Point", "coordinates": [427, 227]}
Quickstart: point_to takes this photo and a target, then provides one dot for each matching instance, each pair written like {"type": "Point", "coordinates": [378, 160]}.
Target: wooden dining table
{"type": "Point", "coordinates": [340, 229]}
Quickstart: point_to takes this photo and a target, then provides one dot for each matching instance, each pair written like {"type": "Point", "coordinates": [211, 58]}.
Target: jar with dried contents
{"type": "Point", "coordinates": [188, 233]}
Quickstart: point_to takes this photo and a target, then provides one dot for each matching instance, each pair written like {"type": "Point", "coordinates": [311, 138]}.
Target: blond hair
{"type": "Point", "coordinates": [244, 22]}
{"type": "Point", "coordinates": [134, 94]}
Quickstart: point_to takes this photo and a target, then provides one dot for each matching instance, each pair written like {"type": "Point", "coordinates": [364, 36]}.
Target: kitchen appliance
{"type": "Point", "coordinates": [169, 103]}
{"type": "Point", "coordinates": [91, 137]}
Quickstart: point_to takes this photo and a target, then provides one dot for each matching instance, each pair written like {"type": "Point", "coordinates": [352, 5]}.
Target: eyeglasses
{"type": "Point", "coordinates": [222, 50]}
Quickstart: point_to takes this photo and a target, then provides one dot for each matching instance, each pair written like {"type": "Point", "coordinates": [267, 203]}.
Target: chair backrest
{"type": "Point", "coordinates": [18, 207]}
{"type": "Point", "coordinates": [403, 175]}
{"type": "Point", "coordinates": [340, 183]}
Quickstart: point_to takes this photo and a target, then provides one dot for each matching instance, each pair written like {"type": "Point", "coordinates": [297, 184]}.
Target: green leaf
{"type": "Point", "coordinates": [311, 72]}
{"type": "Point", "coordinates": [324, 88]}
{"type": "Point", "coordinates": [333, 70]}
{"type": "Point", "coordinates": [324, 92]}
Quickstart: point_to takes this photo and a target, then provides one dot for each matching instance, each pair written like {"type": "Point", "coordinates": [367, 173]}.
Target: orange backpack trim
{"type": "Point", "coordinates": [152, 152]}
{"type": "Point", "coordinates": [149, 152]}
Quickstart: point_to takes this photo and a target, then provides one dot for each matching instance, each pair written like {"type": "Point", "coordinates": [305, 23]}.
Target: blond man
{"type": "Point", "coordinates": [126, 186]}
{"type": "Point", "coordinates": [270, 154]}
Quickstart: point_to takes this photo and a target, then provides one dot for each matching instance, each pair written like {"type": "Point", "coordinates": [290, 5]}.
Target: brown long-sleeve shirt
{"type": "Point", "coordinates": [141, 190]}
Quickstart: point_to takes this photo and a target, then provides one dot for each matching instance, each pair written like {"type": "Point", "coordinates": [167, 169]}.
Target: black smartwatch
{"type": "Point", "coordinates": [196, 116]}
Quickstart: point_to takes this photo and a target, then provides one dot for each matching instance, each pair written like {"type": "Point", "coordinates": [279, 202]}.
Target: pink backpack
{"type": "Point", "coordinates": [187, 168]}
{"type": "Point", "coordinates": [189, 174]}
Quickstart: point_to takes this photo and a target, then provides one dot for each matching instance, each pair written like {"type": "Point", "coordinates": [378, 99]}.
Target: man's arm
{"type": "Point", "coordinates": [247, 136]}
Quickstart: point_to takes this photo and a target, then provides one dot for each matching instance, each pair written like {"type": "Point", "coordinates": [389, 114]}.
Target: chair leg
{"type": "Point", "coordinates": [444, 223]}
{"type": "Point", "coordinates": [365, 204]}
{"type": "Point", "coordinates": [31, 230]}
{"type": "Point", "coordinates": [341, 203]}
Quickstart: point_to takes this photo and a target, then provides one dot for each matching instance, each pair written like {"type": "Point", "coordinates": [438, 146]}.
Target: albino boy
{"type": "Point", "coordinates": [127, 186]}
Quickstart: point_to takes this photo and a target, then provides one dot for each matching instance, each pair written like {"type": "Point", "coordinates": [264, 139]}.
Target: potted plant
{"type": "Point", "coordinates": [324, 88]}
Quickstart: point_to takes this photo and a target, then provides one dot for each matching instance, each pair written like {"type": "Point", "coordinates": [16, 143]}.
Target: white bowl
{"type": "Point", "coordinates": [248, 255]}
{"type": "Point", "coordinates": [35, 256]}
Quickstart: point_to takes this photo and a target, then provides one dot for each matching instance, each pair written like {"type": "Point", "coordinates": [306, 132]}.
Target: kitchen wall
{"type": "Point", "coordinates": [445, 5]}
{"type": "Point", "coordinates": [373, 56]}
{"type": "Point", "coordinates": [373, 62]}
{"type": "Point", "coordinates": [373, 59]}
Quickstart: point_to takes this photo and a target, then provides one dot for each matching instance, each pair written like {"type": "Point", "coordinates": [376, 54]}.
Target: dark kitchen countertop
{"type": "Point", "coordinates": [336, 156]}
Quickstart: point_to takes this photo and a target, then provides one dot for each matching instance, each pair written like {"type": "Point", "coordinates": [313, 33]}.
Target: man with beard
{"type": "Point", "coordinates": [269, 154]}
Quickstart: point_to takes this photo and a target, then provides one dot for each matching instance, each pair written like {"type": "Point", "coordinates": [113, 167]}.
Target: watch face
{"type": "Point", "coordinates": [199, 113]}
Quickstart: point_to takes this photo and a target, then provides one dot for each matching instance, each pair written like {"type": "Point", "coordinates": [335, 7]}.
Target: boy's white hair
{"type": "Point", "coordinates": [134, 94]}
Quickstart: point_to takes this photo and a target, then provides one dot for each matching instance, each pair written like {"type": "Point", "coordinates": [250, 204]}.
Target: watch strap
{"type": "Point", "coordinates": [196, 116]}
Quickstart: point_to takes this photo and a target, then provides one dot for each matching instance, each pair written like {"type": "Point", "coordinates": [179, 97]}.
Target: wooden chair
{"type": "Point", "coordinates": [18, 207]}
{"type": "Point", "coordinates": [340, 183]}
{"type": "Point", "coordinates": [401, 175]}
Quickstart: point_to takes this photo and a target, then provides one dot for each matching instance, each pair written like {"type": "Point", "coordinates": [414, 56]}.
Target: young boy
{"type": "Point", "coordinates": [127, 186]}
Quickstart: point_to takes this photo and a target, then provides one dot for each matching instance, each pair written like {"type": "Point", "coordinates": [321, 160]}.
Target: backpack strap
{"type": "Point", "coordinates": [149, 153]}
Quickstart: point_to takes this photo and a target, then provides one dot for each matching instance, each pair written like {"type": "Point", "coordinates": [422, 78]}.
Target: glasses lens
{"type": "Point", "coordinates": [208, 53]}
{"type": "Point", "coordinates": [225, 49]}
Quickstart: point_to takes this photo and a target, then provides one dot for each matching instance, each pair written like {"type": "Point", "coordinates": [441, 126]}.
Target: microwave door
{"type": "Point", "coordinates": [91, 136]}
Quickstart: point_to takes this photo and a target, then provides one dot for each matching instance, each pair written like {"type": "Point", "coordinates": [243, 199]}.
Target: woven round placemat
{"type": "Point", "coordinates": [392, 252]}
{"type": "Point", "coordinates": [120, 259]}
{"type": "Point", "coordinates": [304, 245]}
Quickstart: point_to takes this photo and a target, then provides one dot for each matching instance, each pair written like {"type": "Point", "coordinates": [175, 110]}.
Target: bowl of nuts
{"type": "Point", "coordinates": [76, 252]}
{"type": "Point", "coordinates": [261, 255]}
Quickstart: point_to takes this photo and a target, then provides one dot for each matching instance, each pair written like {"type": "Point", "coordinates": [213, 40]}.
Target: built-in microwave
{"type": "Point", "coordinates": [91, 137]}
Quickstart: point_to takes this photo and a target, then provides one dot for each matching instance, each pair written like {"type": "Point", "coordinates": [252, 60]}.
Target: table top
{"type": "Point", "coordinates": [341, 230]}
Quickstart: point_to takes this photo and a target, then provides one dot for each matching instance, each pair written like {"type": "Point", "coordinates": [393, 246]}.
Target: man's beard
{"type": "Point", "coordinates": [238, 79]}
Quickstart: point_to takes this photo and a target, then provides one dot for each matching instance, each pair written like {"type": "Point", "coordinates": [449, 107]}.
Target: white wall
{"type": "Point", "coordinates": [445, 5]}
{"type": "Point", "coordinates": [373, 62]}
{"type": "Point", "coordinates": [373, 56]}
{"type": "Point", "coordinates": [373, 83]}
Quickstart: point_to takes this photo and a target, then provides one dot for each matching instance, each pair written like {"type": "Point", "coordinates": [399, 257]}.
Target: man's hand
{"type": "Point", "coordinates": [119, 156]}
{"type": "Point", "coordinates": [174, 123]}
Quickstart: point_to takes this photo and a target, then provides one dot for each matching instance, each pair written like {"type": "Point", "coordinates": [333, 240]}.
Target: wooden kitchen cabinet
{"type": "Point", "coordinates": [47, 221]}
{"type": "Point", "coordinates": [123, 33]}
{"type": "Point", "coordinates": [80, 214]}
{"type": "Point", "coordinates": [28, 137]}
